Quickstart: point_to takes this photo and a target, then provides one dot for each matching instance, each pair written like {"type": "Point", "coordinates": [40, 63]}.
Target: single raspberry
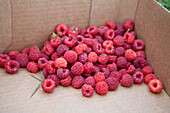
{"type": "Point", "coordinates": [106, 72]}
{"type": "Point", "coordinates": [43, 55]}
{"type": "Point", "coordinates": [90, 81]}
{"type": "Point", "coordinates": [109, 50]}
{"type": "Point", "coordinates": [92, 30]}
{"type": "Point", "coordinates": [70, 56]}
{"type": "Point", "coordinates": [70, 41]}
{"type": "Point", "coordinates": [127, 46]}
{"type": "Point", "coordinates": [32, 67]}
{"type": "Point", "coordinates": [48, 49]}
{"type": "Point", "coordinates": [101, 88]}
{"type": "Point", "coordinates": [77, 68]}
{"type": "Point", "coordinates": [83, 57]}
{"type": "Point", "coordinates": [34, 54]}
{"type": "Point", "coordinates": [97, 48]}
{"type": "Point", "coordinates": [92, 57]}
{"type": "Point", "coordinates": [42, 63]}
{"type": "Point", "coordinates": [50, 67]}
{"type": "Point", "coordinates": [103, 58]}
{"type": "Point", "coordinates": [147, 70]}
{"type": "Point", "coordinates": [80, 48]}
{"type": "Point", "coordinates": [99, 76]}
{"type": "Point", "coordinates": [73, 30]}
{"type": "Point", "coordinates": [102, 30]}
{"type": "Point", "coordinates": [77, 82]}
{"type": "Point", "coordinates": [80, 39]}
{"type": "Point", "coordinates": [99, 39]}
{"type": "Point", "coordinates": [63, 38]}
{"type": "Point", "coordinates": [23, 59]}
{"type": "Point", "coordinates": [139, 62]}
{"type": "Point", "coordinates": [61, 29]}
{"type": "Point", "coordinates": [122, 71]}
{"type": "Point", "coordinates": [116, 75]}
{"type": "Point", "coordinates": [131, 69]}
{"type": "Point", "coordinates": [87, 74]}
{"type": "Point", "coordinates": [88, 36]}
{"type": "Point", "coordinates": [133, 33]}
{"type": "Point", "coordinates": [126, 80]}
{"type": "Point", "coordinates": [118, 41]}
{"type": "Point", "coordinates": [119, 51]}
{"type": "Point", "coordinates": [128, 24]}
{"type": "Point", "coordinates": [112, 83]}
{"type": "Point", "coordinates": [54, 56]}
{"type": "Point", "coordinates": [121, 62]}
{"type": "Point", "coordinates": [44, 72]}
{"type": "Point", "coordinates": [140, 54]}
{"type": "Point", "coordinates": [112, 67]}
{"type": "Point", "coordinates": [54, 78]}
{"type": "Point", "coordinates": [83, 31]}
{"type": "Point", "coordinates": [138, 45]}
{"type": "Point", "coordinates": [48, 85]}
{"type": "Point", "coordinates": [13, 54]}
{"type": "Point", "coordinates": [62, 49]}
{"type": "Point", "coordinates": [138, 77]}
{"type": "Point", "coordinates": [66, 81]}
{"type": "Point", "coordinates": [130, 54]}
{"type": "Point", "coordinates": [129, 38]}
{"type": "Point", "coordinates": [89, 49]}
{"type": "Point", "coordinates": [110, 34]}
{"type": "Point", "coordinates": [155, 86]}
{"type": "Point", "coordinates": [112, 58]}
{"type": "Point", "coordinates": [88, 67]}
{"type": "Point", "coordinates": [60, 62]}
{"type": "Point", "coordinates": [111, 25]}
{"type": "Point", "coordinates": [119, 30]}
{"type": "Point", "coordinates": [96, 69]}
{"type": "Point", "coordinates": [26, 51]}
{"type": "Point", "coordinates": [3, 59]}
{"type": "Point", "coordinates": [149, 77]}
{"type": "Point", "coordinates": [62, 73]}
{"type": "Point", "coordinates": [11, 66]}
{"type": "Point", "coordinates": [87, 90]}
{"type": "Point", "coordinates": [55, 42]}
{"type": "Point", "coordinates": [107, 43]}
{"type": "Point", "coordinates": [88, 42]}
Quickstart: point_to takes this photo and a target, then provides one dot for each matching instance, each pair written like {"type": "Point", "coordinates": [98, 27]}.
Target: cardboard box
{"type": "Point", "coordinates": [24, 23]}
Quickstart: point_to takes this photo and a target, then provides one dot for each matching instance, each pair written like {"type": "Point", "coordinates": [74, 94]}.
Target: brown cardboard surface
{"type": "Point", "coordinates": [153, 26]}
{"type": "Point", "coordinates": [16, 89]}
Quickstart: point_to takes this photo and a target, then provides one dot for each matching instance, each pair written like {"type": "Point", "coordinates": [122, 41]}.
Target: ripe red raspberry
{"type": "Point", "coordinates": [128, 24]}
{"type": "Point", "coordinates": [96, 69]}
{"type": "Point", "coordinates": [88, 36]}
{"type": "Point", "coordinates": [99, 76]}
{"type": "Point", "coordinates": [62, 73]}
{"type": "Point", "coordinates": [131, 69]}
{"type": "Point", "coordinates": [13, 54]}
{"type": "Point", "coordinates": [101, 88]}
{"type": "Point", "coordinates": [139, 62]}
{"type": "Point", "coordinates": [23, 59]}
{"type": "Point", "coordinates": [61, 29]}
{"type": "Point", "coordinates": [128, 64]}
{"type": "Point", "coordinates": [103, 58]}
{"type": "Point", "coordinates": [107, 43]}
{"type": "Point", "coordinates": [11, 66]}
{"type": "Point", "coordinates": [80, 39]}
{"type": "Point", "coordinates": [126, 80]}
{"type": "Point", "coordinates": [43, 55]}
{"type": "Point", "coordinates": [92, 57]}
{"type": "Point", "coordinates": [112, 83]}
{"type": "Point", "coordinates": [119, 30]}
{"type": "Point", "coordinates": [83, 31]}
{"type": "Point", "coordinates": [3, 59]}
{"type": "Point", "coordinates": [66, 82]}
{"type": "Point", "coordinates": [54, 78]}
{"type": "Point", "coordinates": [112, 67]}
{"type": "Point", "coordinates": [42, 63]}
{"type": "Point", "coordinates": [55, 42]}
{"type": "Point", "coordinates": [149, 77]}
{"type": "Point", "coordinates": [50, 67]}
{"type": "Point", "coordinates": [119, 51]}
{"type": "Point", "coordinates": [47, 42]}
{"type": "Point", "coordinates": [70, 56]}
{"type": "Point", "coordinates": [34, 54]}
{"type": "Point", "coordinates": [26, 51]}
{"type": "Point", "coordinates": [77, 82]}
{"type": "Point", "coordinates": [48, 49]}
{"type": "Point", "coordinates": [44, 72]}
{"type": "Point", "coordinates": [73, 31]}
{"type": "Point", "coordinates": [130, 54]}
{"type": "Point", "coordinates": [118, 41]}
{"type": "Point", "coordinates": [147, 70]}
{"type": "Point", "coordinates": [110, 34]}
{"type": "Point", "coordinates": [32, 67]}
{"type": "Point", "coordinates": [70, 41]}
{"type": "Point", "coordinates": [129, 38]}
{"type": "Point", "coordinates": [102, 30]}
{"type": "Point", "coordinates": [88, 42]}
{"type": "Point", "coordinates": [127, 46]}
{"type": "Point", "coordinates": [112, 58]}
{"type": "Point", "coordinates": [88, 67]}
{"type": "Point", "coordinates": [122, 71]}
{"type": "Point", "coordinates": [121, 62]}
{"type": "Point", "coordinates": [60, 62]}
{"type": "Point", "coordinates": [106, 72]}
{"type": "Point", "coordinates": [83, 57]}
{"type": "Point", "coordinates": [140, 54]}
{"type": "Point", "coordinates": [138, 45]}
{"type": "Point", "coordinates": [87, 90]}
{"type": "Point", "coordinates": [90, 81]}
{"type": "Point", "coordinates": [111, 25]}
{"type": "Point", "coordinates": [54, 56]}
{"type": "Point", "coordinates": [109, 50]}
{"type": "Point", "coordinates": [77, 68]}
{"type": "Point", "coordinates": [87, 74]}
{"type": "Point", "coordinates": [92, 30]}
{"type": "Point", "coordinates": [80, 48]}
{"type": "Point", "coordinates": [89, 49]}
{"type": "Point", "coordinates": [116, 75]}
{"type": "Point", "coordinates": [97, 48]}
{"type": "Point", "coordinates": [138, 77]}
{"type": "Point", "coordinates": [48, 85]}
{"type": "Point", "coordinates": [155, 86]}
{"type": "Point", "coordinates": [99, 39]}
{"type": "Point", "coordinates": [61, 49]}
{"type": "Point", "coordinates": [100, 66]}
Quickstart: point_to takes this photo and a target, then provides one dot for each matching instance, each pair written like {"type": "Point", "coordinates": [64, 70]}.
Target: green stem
{"type": "Point", "coordinates": [36, 78]}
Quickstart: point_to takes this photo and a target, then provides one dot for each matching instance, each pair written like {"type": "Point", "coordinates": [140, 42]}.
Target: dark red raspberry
{"type": "Point", "coordinates": [149, 77]}
{"type": "Point", "coordinates": [147, 70]}
{"type": "Point", "coordinates": [23, 59]}
{"type": "Point", "coordinates": [66, 81]}
{"type": "Point", "coordinates": [119, 51]}
{"type": "Point", "coordinates": [87, 90]}
{"type": "Point", "coordinates": [62, 73]}
{"type": "Point", "coordinates": [55, 42]}
{"type": "Point", "coordinates": [138, 45]}
{"type": "Point", "coordinates": [109, 50]}
{"type": "Point", "coordinates": [70, 56]}
{"type": "Point", "coordinates": [88, 67]}
{"type": "Point", "coordinates": [110, 34]}
{"type": "Point", "coordinates": [112, 83]}
{"type": "Point", "coordinates": [83, 31]}
{"type": "Point", "coordinates": [42, 63]}
{"type": "Point", "coordinates": [54, 78]}
{"type": "Point", "coordinates": [77, 68]}
{"type": "Point", "coordinates": [130, 54]}
{"type": "Point", "coordinates": [88, 36]}
{"type": "Point", "coordinates": [112, 58]}
{"type": "Point", "coordinates": [3, 59]}
{"type": "Point", "coordinates": [119, 30]}
{"type": "Point", "coordinates": [138, 77]}
{"type": "Point", "coordinates": [83, 57]}
{"type": "Point", "coordinates": [102, 30]}
{"type": "Point", "coordinates": [13, 54]}
{"type": "Point", "coordinates": [155, 86]}
{"type": "Point", "coordinates": [107, 43]}
{"type": "Point", "coordinates": [50, 67]}
{"type": "Point", "coordinates": [44, 72]}
{"type": "Point", "coordinates": [43, 55]}
{"type": "Point", "coordinates": [96, 69]}
{"type": "Point", "coordinates": [92, 57]}
{"type": "Point", "coordinates": [112, 67]}
{"type": "Point", "coordinates": [122, 71]}
{"type": "Point", "coordinates": [80, 39]}
{"type": "Point", "coordinates": [121, 62]}
{"type": "Point", "coordinates": [128, 64]}
{"type": "Point", "coordinates": [48, 49]}
{"type": "Point", "coordinates": [90, 81]}
{"type": "Point", "coordinates": [32, 67]}
{"type": "Point", "coordinates": [73, 31]}
{"type": "Point", "coordinates": [131, 69]}
{"type": "Point", "coordinates": [101, 88]}
{"type": "Point", "coordinates": [118, 41]}
{"type": "Point", "coordinates": [116, 75]}
{"type": "Point", "coordinates": [92, 30]}
{"type": "Point", "coordinates": [128, 24]}
{"type": "Point", "coordinates": [80, 48]}
{"type": "Point", "coordinates": [61, 49]}
{"type": "Point", "coordinates": [99, 39]}
{"type": "Point", "coordinates": [97, 48]}
{"type": "Point", "coordinates": [70, 41]}
{"type": "Point", "coordinates": [100, 66]}
{"type": "Point", "coordinates": [89, 49]}
{"type": "Point", "coordinates": [106, 72]}
{"type": "Point", "coordinates": [87, 74]}
{"type": "Point", "coordinates": [61, 29]}
{"type": "Point", "coordinates": [111, 25]}
{"type": "Point", "coordinates": [77, 82]}
{"type": "Point", "coordinates": [126, 80]}
{"type": "Point", "coordinates": [48, 85]}
{"type": "Point", "coordinates": [103, 58]}
{"type": "Point", "coordinates": [11, 66]}
{"type": "Point", "coordinates": [60, 62]}
{"type": "Point", "coordinates": [26, 51]}
{"type": "Point", "coordinates": [139, 62]}
{"type": "Point", "coordinates": [127, 46]}
{"type": "Point", "coordinates": [129, 38]}
{"type": "Point", "coordinates": [99, 76]}
{"type": "Point", "coordinates": [140, 54]}
{"type": "Point", "coordinates": [54, 56]}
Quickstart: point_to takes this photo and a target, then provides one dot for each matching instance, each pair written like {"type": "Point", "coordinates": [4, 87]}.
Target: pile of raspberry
{"type": "Point", "coordinates": [92, 59]}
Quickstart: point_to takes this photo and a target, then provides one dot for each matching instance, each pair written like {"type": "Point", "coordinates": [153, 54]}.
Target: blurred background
{"type": "Point", "coordinates": [165, 3]}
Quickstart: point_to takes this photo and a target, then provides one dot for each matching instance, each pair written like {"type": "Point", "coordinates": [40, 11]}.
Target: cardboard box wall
{"type": "Point", "coordinates": [24, 23]}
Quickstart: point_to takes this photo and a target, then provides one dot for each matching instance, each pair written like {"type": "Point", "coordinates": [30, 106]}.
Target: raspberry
{"type": "Point", "coordinates": [129, 38]}
{"type": "Point", "coordinates": [66, 81]}
{"type": "Point", "coordinates": [23, 59]}
{"type": "Point", "coordinates": [112, 83]}
{"type": "Point", "coordinates": [77, 68]}
{"type": "Point", "coordinates": [42, 63]}
{"type": "Point", "coordinates": [88, 36]}
{"type": "Point", "coordinates": [112, 58]}
{"type": "Point", "coordinates": [3, 59]}
{"type": "Point", "coordinates": [140, 54]}
{"type": "Point", "coordinates": [131, 69]}
{"type": "Point", "coordinates": [103, 58]}
{"type": "Point", "coordinates": [87, 90]}
{"type": "Point", "coordinates": [99, 39]}
{"type": "Point", "coordinates": [92, 30]}
{"type": "Point", "coordinates": [96, 69]}
{"type": "Point", "coordinates": [26, 51]}
{"type": "Point", "coordinates": [54, 78]}
{"type": "Point", "coordinates": [61, 29]}
{"type": "Point", "coordinates": [90, 81]}
{"type": "Point", "coordinates": [128, 64]}
{"type": "Point", "coordinates": [48, 85]}
{"type": "Point", "coordinates": [149, 77]}
{"type": "Point", "coordinates": [63, 38]}
{"type": "Point", "coordinates": [112, 67]}
{"type": "Point", "coordinates": [34, 54]}
{"type": "Point", "coordinates": [128, 24]}
{"type": "Point", "coordinates": [99, 76]}
{"type": "Point", "coordinates": [88, 42]}
{"type": "Point", "coordinates": [100, 66]}
{"type": "Point", "coordinates": [97, 48]}
{"type": "Point", "coordinates": [118, 41]}
{"type": "Point", "coordinates": [80, 48]}
{"type": "Point", "coordinates": [111, 25]}
{"type": "Point", "coordinates": [106, 72]}
{"type": "Point", "coordinates": [32, 67]}
{"type": "Point", "coordinates": [80, 39]}
{"type": "Point", "coordinates": [155, 86]}
{"type": "Point", "coordinates": [89, 49]}
{"type": "Point", "coordinates": [92, 57]}
{"type": "Point", "coordinates": [138, 77]}
{"type": "Point", "coordinates": [73, 30]}
{"type": "Point", "coordinates": [109, 50]}
{"type": "Point", "coordinates": [138, 45]}
{"type": "Point", "coordinates": [83, 31]}
{"type": "Point", "coordinates": [107, 43]}
{"type": "Point", "coordinates": [48, 49]}
{"type": "Point", "coordinates": [62, 73]}
{"type": "Point", "coordinates": [102, 30]}
{"type": "Point", "coordinates": [77, 82]}
{"type": "Point", "coordinates": [139, 62]}
{"type": "Point", "coordinates": [54, 56]}
{"type": "Point", "coordinates": [13, 54]}
{"type": "Point", "coordinates": [88, 67]}
{"type": "Point", "coordinates": [119, 30]}
{"type": "Point", "coordinates": [44, 56]}
{"type": "Point", "coordinates": [87, 74]}
{"type": "Point", "coordinates": [110, 34]}
{"type": "Point", "coordinates": [44, 72]}
{"type": "Point", "coordinates": [119, 51]}
{"type": "Point", "coordinates": [147, 70]}
{"type": "Point", "coordinates": [116, 75]}
{"type": "Point", "coordinates": [101, 88]}
{"type": "Point", "coordinates": [121, 62]}
{"type": "Point", "coordinates": [130, 54]}
{"type": "Point", "coordinates": [127, 46]}
{"type": "Point", "coordinates": [126, 80]}
{"type": "Point", "coordinates": [60, 62]}
{"type": "Point", "coordinates": [47, 42]}
{"type": "Point", "coordinates": [61, 49]}
{"type": "Point", "coordinates": [70, 56]}
{"type": "Point", "coordinates": [11, 66]}
{"type": "Point", "coordinates": [133, 33]}
{"type": "Point", "coordinates": [122, 71]}
{"type": "Point", "coordinates": [70, 41]}
{"type": "Point", "coordinates": [55, 42]}
{"type": "Point", "coordinates": [50, 67]}
{"type": "Point", "coordinates": [83, 57]}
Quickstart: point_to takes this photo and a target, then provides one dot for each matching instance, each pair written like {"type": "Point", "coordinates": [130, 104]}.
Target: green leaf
{"type": "Point", "coordinates": [54, 35]}
{"type": "Point", "coordinates": [74, 29]}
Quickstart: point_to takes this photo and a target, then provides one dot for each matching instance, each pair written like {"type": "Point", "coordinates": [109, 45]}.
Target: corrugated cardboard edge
{"type": "Point", "coordinates": [155, 27]}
